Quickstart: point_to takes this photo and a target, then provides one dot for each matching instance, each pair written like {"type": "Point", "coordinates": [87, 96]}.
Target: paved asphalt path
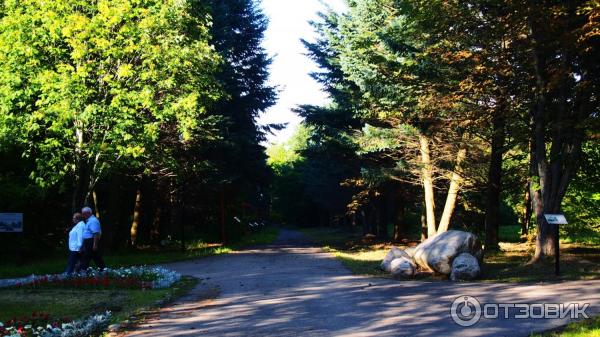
{"type": "Point", "coordinates": [293, 289]}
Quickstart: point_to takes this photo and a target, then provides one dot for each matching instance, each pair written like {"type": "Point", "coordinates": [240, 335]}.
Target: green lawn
{"type": "Point", "coordinates": [56, 264]}
{"type": "Point", "coordinates": [578, 261]}
{"type": "Point", "coordinates": [76, 303]}
{"type": "Point", "coordinates": [586, 328]}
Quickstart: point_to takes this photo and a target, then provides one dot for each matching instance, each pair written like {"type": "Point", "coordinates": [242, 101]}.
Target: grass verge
{"type": "Point", "coordinates": [363, 256]}
{"type": "Point", "coordinates": [586, 328]}
{"type": "Point", "coordinates": [78, 303]}
{"type": "Point", "coordinates": [148, 256]}
{"type": "Point", "coordinates": [577, 262]}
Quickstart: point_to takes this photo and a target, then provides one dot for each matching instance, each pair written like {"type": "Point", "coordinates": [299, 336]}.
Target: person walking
{"type": "Point", "coordinates": [75, 243]}
{"type": "Point", "coordinates": [91, 240]}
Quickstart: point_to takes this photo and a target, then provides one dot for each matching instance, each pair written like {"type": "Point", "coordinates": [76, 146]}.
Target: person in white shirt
{"type": "Point", "coordinates": [91, 240]}
{"type": "Point", "coordinates": [75, 243]}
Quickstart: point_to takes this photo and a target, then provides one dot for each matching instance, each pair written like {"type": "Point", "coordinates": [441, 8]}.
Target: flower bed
{"type": "Point", "coordinates": [122, 278]}
{"type": "Point", "coordinates": [40, 325]}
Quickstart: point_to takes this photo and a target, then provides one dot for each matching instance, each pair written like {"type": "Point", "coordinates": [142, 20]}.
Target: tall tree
{"type": "Point", "coordinates": [330, 152]}
{"type": "Point", "coordinates": [395, 53]}
{"type": "Point", "coordinates": [237, 33]}
{"type": "Point", "coordinates": [87, 86]}
{"type": "Point", "coordinates": [565, 104]}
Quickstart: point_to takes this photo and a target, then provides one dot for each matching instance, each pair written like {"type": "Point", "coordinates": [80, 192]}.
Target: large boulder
{"type": "Point", "coordinates": [437, 253]}
{"type": "Point", "coordinates": [403, 267]}
{"type": "Point", "coordinates": [465, 267]}
{"type": "Point", "coordinates": [393, 254]}
{"type": "Point", "coordinates": [410, 251]}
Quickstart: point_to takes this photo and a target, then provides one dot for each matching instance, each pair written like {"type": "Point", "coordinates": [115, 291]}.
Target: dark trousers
{"type": "Point", "coordinates": [74, 257]}
{"type": "Point", "coordinates": [90, 254]}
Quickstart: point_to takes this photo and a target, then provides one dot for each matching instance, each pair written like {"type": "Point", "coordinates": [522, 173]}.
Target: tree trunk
{"type": "Point", "coordinates": [81, 184]}
{"type": "Point", "coordinates": [383, 216]}
{"type": "Point", "coordinates": [95, 201]}
{"type": "Point", "coordinates": [137, 210]}
{"type": "Point", "coordinates": [223, 215]}
{"type": "Point", "coordinates": [111, 221]}
{"type": "Point", "coordinates": [526, 220]}
{"type": "Point", "coordinates": [539, 166]}
{"type": "Point", "coordinates": [365, 222]}
{"type": "Point", "coordinates": [399, 219]}
{"type": "Point", "coordinates": [452, 196]}
{"type": "Point", "coordinates": [544, 243]}
{"type": "Point", "coordinates": [182, 222]}
{"type": "Point", "coordinates": [427, 177]}
{"type": "Point", "coordinates": [571, 105]}
{"type": "Point", "coordinates": [423, 225]}
{"type": "Point", "coordinates": [80, 174]}
{"type": "Point", "coordinates": [378, 220]}
{"type": "Point", "coordinates": [494, 188]}
{"type": "Point", "coordinates": [155, 234]}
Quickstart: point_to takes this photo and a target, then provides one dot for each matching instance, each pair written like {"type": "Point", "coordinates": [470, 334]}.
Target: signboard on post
{"type": "Point", "coordinates": [556, 219]}
{"type": "Point", "coordinates": [11, 222]}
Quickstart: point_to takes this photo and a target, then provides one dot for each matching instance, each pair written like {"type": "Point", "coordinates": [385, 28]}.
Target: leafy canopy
{"type": "Point", "coordinates": [98, 82]}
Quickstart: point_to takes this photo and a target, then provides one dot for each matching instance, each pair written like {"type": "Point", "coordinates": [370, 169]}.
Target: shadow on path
{"type": "Point", "coordinates": [293, 289]}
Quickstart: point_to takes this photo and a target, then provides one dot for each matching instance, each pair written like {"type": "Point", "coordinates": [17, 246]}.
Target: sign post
{"type": "Point", "coordinates": [556, 220]}
{"type": "Point", "coordinates": [11, 222]}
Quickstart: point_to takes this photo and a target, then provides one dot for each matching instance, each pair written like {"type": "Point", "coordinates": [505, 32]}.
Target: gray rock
{"type": "Point", "coordinates": [437, 253]}
{"type": "Point", "coordinates": [403, 267]}
{"type": "Point", "coordinates": [465, 267]}
{"type": "Point", "coordinates": [410, 251]}
{"type": "Point", "coordinates": [394, 253]}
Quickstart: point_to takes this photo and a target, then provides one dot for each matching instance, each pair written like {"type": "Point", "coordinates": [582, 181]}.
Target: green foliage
{"type": "Point", "coordinates": [400, 70]}
{"type": "Point", "coordinates": [94, 84]}
{"type": "Point", "coordinates": [289, 199]}
{"type": "Point", "coordinates": [582, 201]}
{"type": "Point", "coordinates": [324, 151]}
{"type": "Point", "coordinates": [108, 98]}
{"type": "Point", "coordinates": [288, 154]}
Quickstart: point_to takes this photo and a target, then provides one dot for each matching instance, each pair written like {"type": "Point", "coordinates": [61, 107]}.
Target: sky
{"type": "Point", "coordinates": [288, 23]}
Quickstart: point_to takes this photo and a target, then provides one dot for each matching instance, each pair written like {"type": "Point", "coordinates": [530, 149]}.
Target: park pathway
{"type": "Point", "coordinates": [293, 289]}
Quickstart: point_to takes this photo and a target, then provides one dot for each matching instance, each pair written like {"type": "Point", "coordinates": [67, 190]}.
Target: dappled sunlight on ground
{"type": "Point", "coordinates": [578, 261]}
{"type": "Point", "coordinates": [291, 290]}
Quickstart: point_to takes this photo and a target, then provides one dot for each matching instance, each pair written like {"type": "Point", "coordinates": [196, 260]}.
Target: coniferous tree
{"type": "Point", "coordinates": [237, 34]}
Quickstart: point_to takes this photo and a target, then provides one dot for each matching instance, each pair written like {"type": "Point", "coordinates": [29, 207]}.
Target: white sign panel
{"type": "Point", "coordinates": [556, 219]}
{"type": "Point", "coordinates": [11, 222]}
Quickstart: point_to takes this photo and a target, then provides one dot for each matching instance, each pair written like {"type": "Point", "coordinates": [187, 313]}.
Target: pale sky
{"type": "Point", "coordinates": [288, 23]}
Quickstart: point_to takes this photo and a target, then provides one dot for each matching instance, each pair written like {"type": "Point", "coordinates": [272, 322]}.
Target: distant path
{"type": "Point", "coordinates": [293, 289]}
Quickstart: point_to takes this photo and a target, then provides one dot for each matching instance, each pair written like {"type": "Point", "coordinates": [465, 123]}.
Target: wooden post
{"type": "Point", "coordinates": [557, 251]}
